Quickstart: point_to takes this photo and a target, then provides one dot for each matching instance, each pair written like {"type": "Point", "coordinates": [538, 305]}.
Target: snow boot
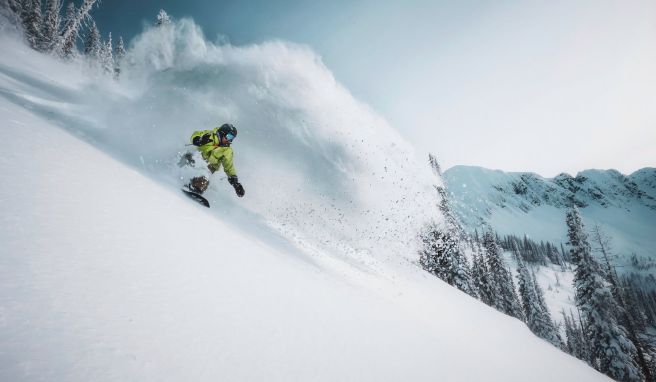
{"type": "Point", "coordinates": [198, 184]}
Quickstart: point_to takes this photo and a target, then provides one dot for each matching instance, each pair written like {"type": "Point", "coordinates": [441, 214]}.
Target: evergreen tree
{"type": "Point", "coordinates": [613, 353]}
{"type": "Point", "coordinates": [541, 302]}
{"type": "Point", "coordinates": [163, 18]}
{"type": "Point", "coordinates": [67, 40]}
{"type": "Point", "coordinates": [565, 254]}
{"type": "Point", "coordinates": [633, 307]}
{"type": "Point", "coordinates": [119, 54]}
{"type": "Point", "coordinates": [92, 45]}
{"type": "Point", "coordinates": [441, 255]}
{"type": "Point", "coordinates": [537, 314]}
{"type": "Point", "coordinates": [107, 56]}
{"type": "Point", "coordinates": [435, 166]}
{"type": "Point", "coordinates": [51, 25]}
{"type": "Point", "coordinates": [31, 19]}
{"type": "Point", "coordinates": [461, 272]}
{"type": "Point", "coordinates": [443, 245]}
{"type": "Point", "coordinates": [15, 8]}
{"type": "Point", "coordinates": [73, 23]}
{"type": "Point", "coordinates": [553, 255]}
{"type": "Point", "coordinates": [435, 243]}
{"type": "Point", "coordinates": [433, 258]}
{"type": "Point", "coordinates": [603, 243]}
{"type": "Point", "coordinates": [505, 297]}
{"type": "Point", "coordinates": [481, 279]}
{"type": "Point", "coordinates": [576, 344]}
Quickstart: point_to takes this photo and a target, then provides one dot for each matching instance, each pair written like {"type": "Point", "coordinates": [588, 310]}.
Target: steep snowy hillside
{"type": "Point", "coordinates": [310, 156]}
{"type": "Point", "coordinates": [526, 203]}
{"type": "Point", "coordinates": [108, 273]}
{"type": "Point", "coordinates": [108, 276]}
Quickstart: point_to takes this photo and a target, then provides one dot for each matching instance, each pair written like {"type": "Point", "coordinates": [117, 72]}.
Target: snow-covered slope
{"type": "Point", "coordinates": [117, 278]}
{"type": "Point", "coordinates": [108, 273]}
{"type": "Point", "coordinates": [526, 203]}
{"type": "Point", "coordinates": [310, 156]}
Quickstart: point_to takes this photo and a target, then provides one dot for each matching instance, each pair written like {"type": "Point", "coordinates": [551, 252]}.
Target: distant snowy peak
{"type": "Point", "coordinates": [525, 203]}
{"type": "Point", "coordinates": [646, 180]}
{"type": "Point", "coordinates": [607, 188]}
{"type": "Point", "coordinates": [524, 190]}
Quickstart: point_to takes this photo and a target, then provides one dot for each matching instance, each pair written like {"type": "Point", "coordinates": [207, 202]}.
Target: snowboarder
{"type": "Point", "coordinates": [214, 146]}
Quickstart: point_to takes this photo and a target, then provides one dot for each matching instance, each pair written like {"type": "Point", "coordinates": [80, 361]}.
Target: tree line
{"type": "Point", "coordinates": [48, 28]}
{"type": "Point", "coordinates": [533, 252]}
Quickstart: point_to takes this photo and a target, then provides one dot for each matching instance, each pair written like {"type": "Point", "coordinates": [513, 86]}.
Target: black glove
{"type": "Point", "coordinates": [205, 139]}
{"type": "Point", "coordinates": [239, 189]}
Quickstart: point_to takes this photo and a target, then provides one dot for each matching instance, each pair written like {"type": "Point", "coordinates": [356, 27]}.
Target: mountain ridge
{"type": "Point", "coordinates": [527, 203]}
{"type": "Point", "coordinates": [634, 183]}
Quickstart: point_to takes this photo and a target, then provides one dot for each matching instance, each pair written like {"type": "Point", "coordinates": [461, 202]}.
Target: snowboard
{"type": "Point", "coordinates": [196, 196]}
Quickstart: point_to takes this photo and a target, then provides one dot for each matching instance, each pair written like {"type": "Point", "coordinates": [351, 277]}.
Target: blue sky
{"type": "Point", "coordinates": [543, 86]}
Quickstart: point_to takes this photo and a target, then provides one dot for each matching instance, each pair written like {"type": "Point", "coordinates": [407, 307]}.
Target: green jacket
{"type": "Point", "coordinates": [214, 153]}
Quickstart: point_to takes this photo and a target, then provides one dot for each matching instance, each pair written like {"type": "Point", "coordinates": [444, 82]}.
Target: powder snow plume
{"type": "Point", "coordinates": [319, 167]}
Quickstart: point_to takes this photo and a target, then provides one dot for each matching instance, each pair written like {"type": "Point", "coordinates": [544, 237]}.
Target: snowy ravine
{"type": "Point", "coordinates": [108, 273]}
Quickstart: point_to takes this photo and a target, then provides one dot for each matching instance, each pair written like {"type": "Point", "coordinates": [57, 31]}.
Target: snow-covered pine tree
{"type": "Point", "coordinates": [435, 165]}
{"type": "Point", "coordinates": [565, 254]}
{"type": "Point", "coordinates": [505, 298]}
{"type": "Point", "coordinates": [604, 246]}
{"type": "Point", "coordinates": [613, 353]}
{"type": "Point", "coordinates": [481, 279]}
{"type": "Point", "coordinates": [441, 254]}
{"type": "Point", "coordinates": [529, 299]}
{"type": "Point", "coordinates": [460, 272]}
{"type": "Point", "coordinates": [512, 299]}
{"type": "Point", "coordinates": [15, 10]}
{"type": "Point", "coordinates": [119, 54]}
{"type": "Point", "coordinates": [576, 344]}
{"type": "Point", "coordinates": [14, 6]}
{"type": "Point", "coordinates": [553, 255]}
{"type": "Point", "coordinates": [51, 23]}
{"type": "Point", "coordinates": [92, 44]}
{"type": "Point", "coordinates": [635, 309]}
{"type": "Point", "coordinates": [107, 56]}
{"type": "Point", "coordinates": [32, 20]}
{"type": "Point", "coordinates": [73, 22]}
{"type": "Point", "coordinates": [67, 40]}
{"type": "Point", "coordinates": [434, 253]}
{"type": "Point", "coordinates": [570, 345]}
{"type": "Point", "coordinates": [443, 245]}
{"type": "Point", "coordinates": [163, 18]}
{"type": "Point", "coordinates": [543, 304]}
{"type": "Point", "coordinates": [537, 314]}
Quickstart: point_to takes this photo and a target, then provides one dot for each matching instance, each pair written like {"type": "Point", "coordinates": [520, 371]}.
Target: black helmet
{"type": "Point", "coordinates": [228, 129]}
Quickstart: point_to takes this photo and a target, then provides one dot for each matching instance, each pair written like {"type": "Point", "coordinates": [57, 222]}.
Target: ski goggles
{"type": "Point", "coordinates": [230, 137]}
